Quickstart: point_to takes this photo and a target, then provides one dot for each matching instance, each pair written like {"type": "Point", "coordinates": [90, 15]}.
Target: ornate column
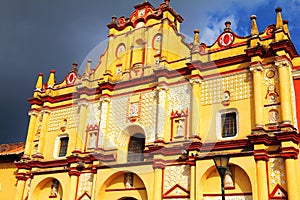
{"type": "Point", "coordinates": [74, 176]}
{"type": "Point", "coordinates": [196, 105]}
{"type": "Point", "coordinates": [80, 136]}
{"type": "Point", "coordinates": [161, 111]}
{"type": "Point", "coordinates": [256, 69]}
{"type": "Point", "coordinates": [193, 180]}
{"type": "Point", "coordinates": [44, 130]}
{"type": "Point", "coordinates": [94, 171]}
{"type": "Point", "coordinates": [21, 184]}
{"type": "Point", "coordinates": [20, 189]}
{"type": "Point", "coordinates": [261, 158]}
{"type": "Point", "coordinates": [104, 110]}
{"type": "Point", "coordinates": [290, 154]}
{"type": "Point", "coordinates": [157, 184]}
{"type": "Point", "coordinates": [30, 134]}
{"type": "Point", "coordinates": [284, 72]}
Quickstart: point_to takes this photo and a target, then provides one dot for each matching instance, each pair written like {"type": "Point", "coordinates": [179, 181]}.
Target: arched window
{"type": "Point", "coordinates": [136, 148]}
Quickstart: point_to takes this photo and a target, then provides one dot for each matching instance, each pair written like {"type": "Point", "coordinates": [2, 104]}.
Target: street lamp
{"type": "Point", "coordinates": [221, 162]}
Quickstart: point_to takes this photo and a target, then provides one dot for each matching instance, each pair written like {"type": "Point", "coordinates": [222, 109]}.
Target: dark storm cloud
{"type": "Point", "coordinates": [37, 36]}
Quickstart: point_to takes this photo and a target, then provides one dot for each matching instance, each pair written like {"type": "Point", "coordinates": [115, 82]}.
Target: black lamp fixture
{"type": "Point", "coordinates": [221, 163]}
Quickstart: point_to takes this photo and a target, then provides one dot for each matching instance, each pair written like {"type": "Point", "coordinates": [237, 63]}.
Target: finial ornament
{"type": "Point", "coordinates": [74, 67]}
{"type": "Point", "coordinates": [51, 80]}
{"type": "Point", "coordinates": [254, 29]}
{"type": "Point", "coordinates": [88, 66]}
{"type": "Point", "coordinates": [285, 27]}
{"type": "Point", "coordinates": [227, 26]}
{"type": "Point", "coordinates": [113, 19]}
{"type": "Point", "coordinates": [39, 83]}
{"type": "Point", "coordinates": [279, 22]}
{"type": "Point", "coordinates": [196, 36]}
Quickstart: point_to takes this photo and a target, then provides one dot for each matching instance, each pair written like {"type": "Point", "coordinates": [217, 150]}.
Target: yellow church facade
{"type": "Point", "coordinates": [146, 123]}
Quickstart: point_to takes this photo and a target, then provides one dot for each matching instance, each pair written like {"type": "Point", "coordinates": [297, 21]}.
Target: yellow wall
{"type": "Point", "coordinates": [8, 181]}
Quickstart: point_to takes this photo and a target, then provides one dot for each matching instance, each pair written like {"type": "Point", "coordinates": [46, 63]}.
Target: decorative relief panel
{"type": "Point", "coordinates": [179, 98]}
{"type": "Point", "coordinates": [148, 115]}
{"type": "Point", "coordinates": [58, 116]}
{"type": "Point", "coordinates": [85, 184]}
{"type": "Point", "coordinates": [93, 114]}
{"type": "Point", "coordinates": [239, 86]}
{"type": "Point", "coordinates": [117, 120]}
{"type": "Point", "coordinates": [277, 173]}
{"type": "Point", "coordinates": [270, 76]}
{"type": "Point", "coordinates": [179, 174]}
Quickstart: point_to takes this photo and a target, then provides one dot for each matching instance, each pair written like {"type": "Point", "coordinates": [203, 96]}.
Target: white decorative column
{"type": "Point", "coordinates": [104, 111]}
{"type": "Point", "coordinates": [161, 111]}
{"type": "Point", "coordinates": [81, 133]}
{"type": "Point", "coordinates": [196, 105]}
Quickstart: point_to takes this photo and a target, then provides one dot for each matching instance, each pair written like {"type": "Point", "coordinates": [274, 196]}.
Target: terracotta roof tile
{"type": "Point", "coordinates": [13, 148]}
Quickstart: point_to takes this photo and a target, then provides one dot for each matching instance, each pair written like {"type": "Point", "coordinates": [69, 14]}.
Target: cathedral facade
{"type": "Point", "coordinates": [147, 122]}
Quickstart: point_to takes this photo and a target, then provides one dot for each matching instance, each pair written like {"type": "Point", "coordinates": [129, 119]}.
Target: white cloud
{"type": "Point", "coordinates": [209, 16]}
{"type": "Point", "coordinates": [215, 27]}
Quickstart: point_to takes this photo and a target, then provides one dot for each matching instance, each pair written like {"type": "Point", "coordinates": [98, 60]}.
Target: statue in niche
{"type": "Point", "coordinates": [128, 180]}
{"type": "Point", "coordinates": [228, 178]}
{"type": "Point", "coordinates": [272, 98]}
{"type": "Point", "coordinates": [273, 116]}
{"type": "Point", "coordinates": [272, 94]}
{"type": "Point", "coordinates": [180, 128]}
{"type": "Point", "coordinates": [92, 140]}
{"type": "Point", "coordinates": [54, 187]}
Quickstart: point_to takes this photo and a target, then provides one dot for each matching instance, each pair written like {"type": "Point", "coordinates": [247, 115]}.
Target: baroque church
{"type": "Point", "coordinates": [148, 121]}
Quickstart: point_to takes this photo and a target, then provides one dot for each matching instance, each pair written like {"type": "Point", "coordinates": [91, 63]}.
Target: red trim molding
{"type": "Point", "coordinates": [289, 152]}
{"type": "Point", "coordinates": [288, 136]}
{"type": "Point", "coordinates": [261, 154]}
{"type": "Point", "coordinates": [286, 45]}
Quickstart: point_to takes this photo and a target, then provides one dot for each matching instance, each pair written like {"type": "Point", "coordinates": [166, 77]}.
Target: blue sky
{"type": "Point", "coordinates": [37, 36]}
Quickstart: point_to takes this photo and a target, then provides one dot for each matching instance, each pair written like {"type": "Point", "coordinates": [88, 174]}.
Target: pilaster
{"type": "Point", "coordinates": [193, 180]}
{"type": "Point", "coordinates": [161, 111]}
{"type": "Point", "coordinates": [157, 185]}
{"type": "Point", "coordinates": [261, 158]}
{"type": "Point", "coordinates": [44, 130]}
{"type": "Point", "coordinates": [74, 176]}
{"type": "Point", "coordinates": [256, 69]}
{"type": "Point", "coordinates": [290, 154]}
{"type": "Point", "coordinates": [196, 107]}
{"type": "Point", "coordinates": [284, 71]}
{"type": "Point", "coordinates": [104, 109]}
{"type": "Point", "coordinates": [80, 136]}
{"type": "Point", "coordinates": [30, 134]}
{"type": "Point", "coordinates": [20, 189]}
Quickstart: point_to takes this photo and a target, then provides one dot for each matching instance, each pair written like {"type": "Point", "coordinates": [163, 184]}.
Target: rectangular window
{"type": "Point", "coordinates": [63, 146]}
{"type": "Point", "coordinates": [229, 124]}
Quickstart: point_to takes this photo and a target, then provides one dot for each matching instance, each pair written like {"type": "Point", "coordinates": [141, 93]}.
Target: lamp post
{"type": "Point", "coordinates": [221, 162]}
